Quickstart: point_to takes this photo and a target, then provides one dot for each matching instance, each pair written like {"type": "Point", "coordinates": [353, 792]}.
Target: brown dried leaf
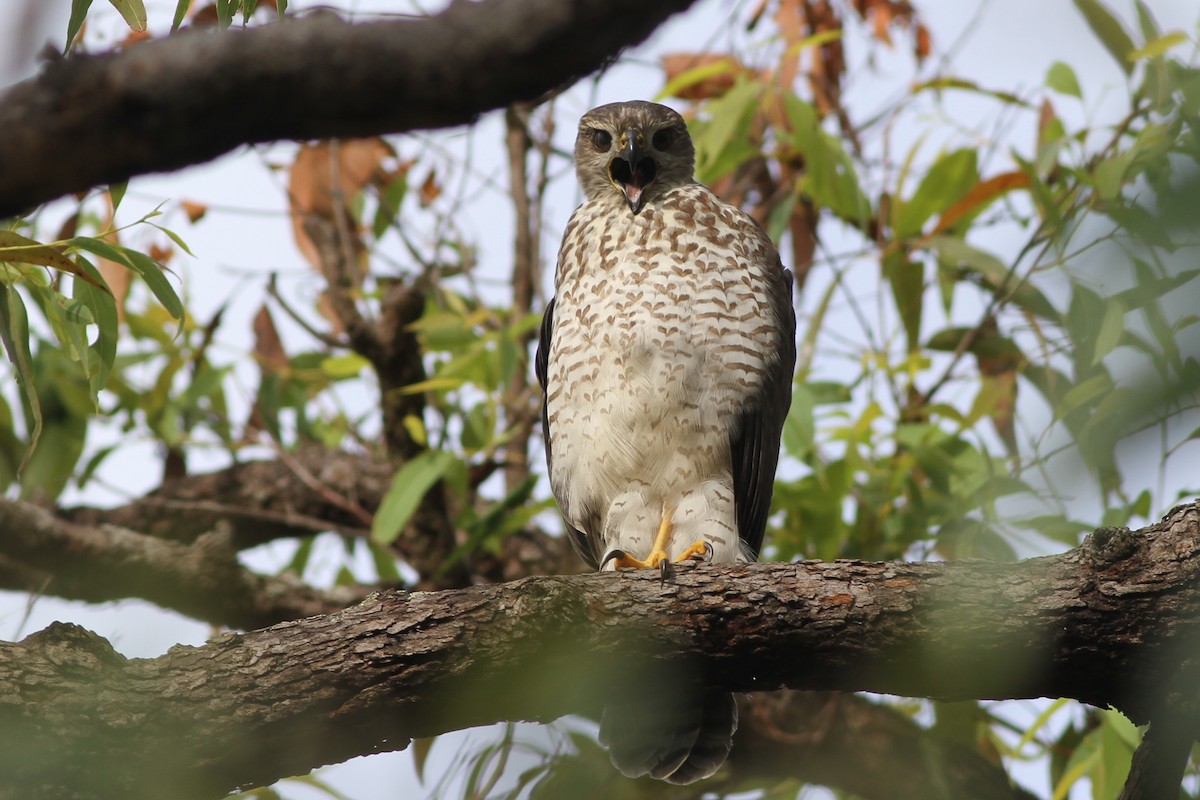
{"type": "Point", "coordinates": [268, 347]}
{"type": "Point", "coordinates": [135, 37]}
{"type": "Point", "coordinates": [923, 44]}
{"type": "Point", "coordinates": [803, 227]}
{"type": "Point", "coordinates": [117, 276]}
{"type": "Point", "coordinates": [881, 20]}
{"type": "Point", "coordinates": [206, 15]}
{"type": "Point", "coordinates": [430, 190]}
{"type": "Point", "coordinates": [195, 211]}
{"type": "Point", "coordinates": [720, 74]}
{"type": "Point", "coordinates": [326, 310]}
{"type": "Point", "coordinates": [68, 228]}
{"type": "Point", "coordinates": [161, 254]}
{"type": "Point", "coordinates": [324, 179]}
{"type": "Point", "coordinates": [793, 23]}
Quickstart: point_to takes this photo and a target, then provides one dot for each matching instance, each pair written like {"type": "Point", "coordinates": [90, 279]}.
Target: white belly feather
{"type": "Point", "coordinates": [653, 358]}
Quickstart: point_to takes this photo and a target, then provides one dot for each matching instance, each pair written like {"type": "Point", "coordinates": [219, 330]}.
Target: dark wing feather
{"type": "Point", "coordinates": [754, 444]}
{"type": "Point", "coordinates": [585, 546]}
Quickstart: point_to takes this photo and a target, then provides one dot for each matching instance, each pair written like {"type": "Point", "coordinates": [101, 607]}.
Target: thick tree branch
{"type": "Point", "coordinates": [1160, 760]}
{"type": "Point", "coordinates": [1115, 621]}
{"type": "Point", "coordinates": [261, 501]}
{"type": "Point", "coordinates": [166, 104]}
{"type": "Point", "coordinates": [43, 553]}
{"type": "Point", "coordinates": [868, 749]}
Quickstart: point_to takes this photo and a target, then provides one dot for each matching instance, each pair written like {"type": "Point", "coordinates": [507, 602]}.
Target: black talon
{"type": "Point", "coordinates": [611, 555]}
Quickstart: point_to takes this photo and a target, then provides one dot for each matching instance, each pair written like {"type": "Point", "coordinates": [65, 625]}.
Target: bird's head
{"type": "Point", "coordinates": [633, 151]}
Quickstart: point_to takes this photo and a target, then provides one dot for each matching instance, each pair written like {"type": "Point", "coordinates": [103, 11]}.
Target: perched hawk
{"type": "Point", "coordinates": [666, 362]}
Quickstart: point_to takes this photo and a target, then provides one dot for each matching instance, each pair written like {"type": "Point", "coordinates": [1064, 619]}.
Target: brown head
{"type": "Point", "coordinates": [633, 152]}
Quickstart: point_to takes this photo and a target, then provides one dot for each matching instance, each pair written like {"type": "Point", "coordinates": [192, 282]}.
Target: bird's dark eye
{"type": "Point", "coordinates": [662, 139]}
{"type": "Point", "coordinates": [601, 139]}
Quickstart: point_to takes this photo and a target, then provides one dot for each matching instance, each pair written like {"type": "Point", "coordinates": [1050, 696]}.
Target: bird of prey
{"type": "Point", "coordinates": [666, 360]}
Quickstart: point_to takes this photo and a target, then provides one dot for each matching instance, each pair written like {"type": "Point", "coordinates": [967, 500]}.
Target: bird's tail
{"type": "Point", "coordinates": [677, 736]}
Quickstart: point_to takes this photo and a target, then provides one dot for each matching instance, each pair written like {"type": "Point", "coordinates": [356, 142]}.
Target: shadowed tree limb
{"type": "Point", "coordinates": [1112, 622]}
{"type": "Point", "coordinates": [866, 748]}
{"type": "Point", "coordinates": [1160, 760]}
{"type": "Point", "coordinates": [166, 104]}
{"type": "Point", "coordinates": [44, 554]}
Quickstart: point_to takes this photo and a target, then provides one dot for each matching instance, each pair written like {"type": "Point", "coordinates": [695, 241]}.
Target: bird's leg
{"type": "Point", "coordinates": [658, 551]}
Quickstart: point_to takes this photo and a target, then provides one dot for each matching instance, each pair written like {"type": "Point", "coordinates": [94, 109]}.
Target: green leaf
{"type": "Point", "coordinates": [1082, 394]}
{"type": "Point", "coordinates": [1111, 328]}
{"type": "Point", "coordinates": [117, 192]}
{"type": "Point", "coordinates": [225, 11]}
{"type": "Point", "coordinates": [133, 12]}
{"type": "Point", "coordinates": [947, 182]}
{"type": "Point", "coordinates": [1117, 740]}
{"type": "Point", "coordinates": [1081, 763]}
{"type": "Point", "coordinates": [954, 252]}
{"type": "Point", "coordinates": [907, 279]}
{"type": "Point", "coordinates": [174, 237]}
{"type": "Point", "coordinates": [499, 520]}
{"type": "Point", "coordinates": [104, 311]}
{"type": "Point", "coordinates": [384, 561]}
{"type": "Point", "coordinates": [93, 463]}
{"type": "Point", "coordinates": [142, 264]}
{"type": "Point", "coordinates": [349, 365]}
{"type": "Point", "coordinates": [1146, 22]}
{"type": "Point", "coordinates": [79, 9]}
{"type": "Point", "coordinates": [1061, 78]}
{"type": "Point", "coordinates": [181, 9]}
{"type": "Point", "coordinates": [407, 491]}
{"type": "Point", "coordinates": [1159, 46]}
{"type": "Point", "coordinates": [14, 332]}
{"type": "Point", "coordinates": [1109, 31]}
{"type": "Point", "coordinates": [799, 427]}
{"type": "Point", "coordinates": [153, 274]}
{"type": "Point", "coordinates": [938, 84]}
{"type": "Point", "coordinates": [15, 248]}
{"type": "Point", "coordinates": [722, 142]}
{"type": "Point", "coordinates": [830, 176]}
{"type": "Point", "coordinates": [1109, 175]}
{"type": "Point", "coordinates": [1058, 528]}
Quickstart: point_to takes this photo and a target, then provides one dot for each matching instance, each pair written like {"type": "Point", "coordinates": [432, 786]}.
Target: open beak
{"type": "Point", "coordinates": [632, 171]}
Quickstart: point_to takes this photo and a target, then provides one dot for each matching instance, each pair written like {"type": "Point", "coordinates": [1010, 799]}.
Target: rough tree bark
{"type": "Point", "coordinates": [1113, 622]}
{"type": "Point", "coordinates": [166, 104]}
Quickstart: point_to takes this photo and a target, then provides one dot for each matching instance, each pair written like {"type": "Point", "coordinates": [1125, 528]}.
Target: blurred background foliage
{"type": "Point", "coordinates": [997, 331]}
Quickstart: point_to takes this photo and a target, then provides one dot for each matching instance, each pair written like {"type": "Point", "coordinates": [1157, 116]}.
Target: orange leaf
{"type": "Point", "coordinates": [719, 75]}
{"type": "Point", "coordinates": [117, 276]}
{"type": "Point", "coordinates": [981, 194]}
{"type": "Point", "coordinates": [195, 211]}
{"type": "Point", "coordinates": [923, 44]}
{"type": "Point", "coordinates": [882, 19]}
{"type": "Point", "coordinates": [324, 180]}
{"type": "Point", "coordinates": [268, 347]}
{"type": "Point", "coordinates": [135, 37]}
{"type": "Point", "coordinates": [430, 190]}
{"type": "Point", "coordinates": [161, 254]}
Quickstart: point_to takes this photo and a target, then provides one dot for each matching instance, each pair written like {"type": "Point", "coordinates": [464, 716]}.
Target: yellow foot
{"type": "Point", "coordinates": [699, 550]}
{"type": "Point", "coordinates": [622, 560]}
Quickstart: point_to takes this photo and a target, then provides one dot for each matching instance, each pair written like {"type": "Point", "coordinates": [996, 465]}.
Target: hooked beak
{"type": "Point", "coordinates": [632, 171]}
